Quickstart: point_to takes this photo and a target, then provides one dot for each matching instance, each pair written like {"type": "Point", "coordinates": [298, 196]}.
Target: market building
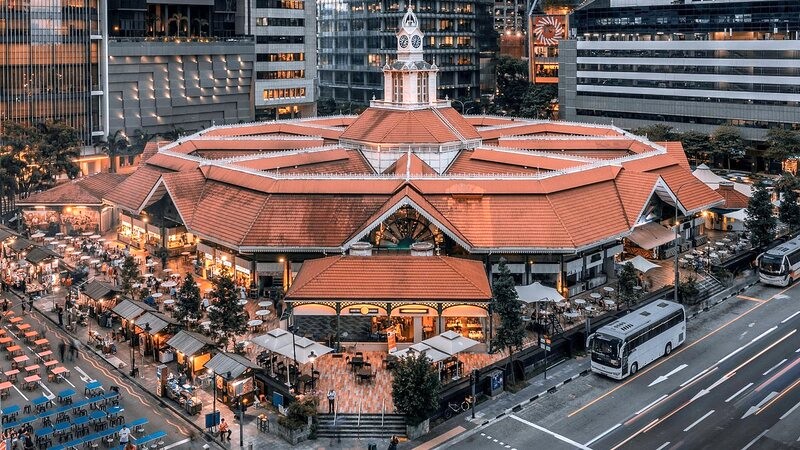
{"type": "Point", "coordinates": [411, 186]}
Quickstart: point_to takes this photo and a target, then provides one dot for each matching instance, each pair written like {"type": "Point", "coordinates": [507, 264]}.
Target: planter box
{"type": "Point", "coordinates": [414, 432]}
{"type": "Point", "coordinates": [292, 436]}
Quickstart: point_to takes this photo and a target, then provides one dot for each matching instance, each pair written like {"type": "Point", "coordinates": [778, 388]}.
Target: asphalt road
{"type": "Point", "coordinates": [733, 385]}
{"type": "Point", "coordinates": [136, 403]}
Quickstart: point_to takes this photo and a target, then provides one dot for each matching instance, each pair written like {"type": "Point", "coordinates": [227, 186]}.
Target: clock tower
{"type": "Point", "coordinates": [410, 81]}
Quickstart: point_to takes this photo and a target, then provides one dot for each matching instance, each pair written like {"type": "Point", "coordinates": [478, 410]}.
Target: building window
{"type": "Point", "coordinates": [280, 4]}
{"type": "Point", "coordinates": [277, 94]}
{"type": "Point", "coordinates": [397, 87]}
{"type": "Point", "coordinates": [280, 57]}
{"type": "Point", "coordinates": [280, 39]}
{"type": "Point", "coordinates": [279, 22]}
{"type": "Point", "coordinates": [422, 87]}
{"type": "Point", "coordinates": [280, 74]}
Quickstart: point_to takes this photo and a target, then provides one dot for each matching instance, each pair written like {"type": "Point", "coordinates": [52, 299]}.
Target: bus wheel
{"type": "Point", "coordinates": [668, 349]}
{"type": "Point", "coordinates": [634, 368]}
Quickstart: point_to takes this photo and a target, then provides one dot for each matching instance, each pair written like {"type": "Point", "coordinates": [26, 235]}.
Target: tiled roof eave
{"type": "Point", "coordinates": [290, 248]}
{"type": "Point", "coordinates": [706, 206]}
{"type": "Point", "coordinates": [101, 203]}
{"type": "Point", "coordinates": [538, 250]}
{"type": "Point", "coordinates": [477, 301]}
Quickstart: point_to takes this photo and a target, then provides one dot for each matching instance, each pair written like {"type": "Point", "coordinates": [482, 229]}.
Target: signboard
{"type": "Point", "coordinates": [548, 30]}
{"type": "Point", "coordinates": [212, 419]}
{"type": "Point", "coordinates": [391, 339]}
{"type": "Point", "coordinates": [497, 380]}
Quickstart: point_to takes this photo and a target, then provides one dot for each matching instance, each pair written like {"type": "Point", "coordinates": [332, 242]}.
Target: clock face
{"type": "Point", "coordinates": [403, 41]}
{"type": "Point", "coordinates": [416, 41]}
{"type": "Point", "coordinates": [548, 30]}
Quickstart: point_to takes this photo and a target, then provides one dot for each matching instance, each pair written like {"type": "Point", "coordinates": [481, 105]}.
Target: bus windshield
{"type": "Point", "coordinates": [605, 350]}
{"type": "Point", "coordinates": [771, 264]}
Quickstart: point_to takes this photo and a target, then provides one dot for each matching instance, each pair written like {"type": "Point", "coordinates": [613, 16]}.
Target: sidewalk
{"type": "Point", "coordinates": [147, 382]}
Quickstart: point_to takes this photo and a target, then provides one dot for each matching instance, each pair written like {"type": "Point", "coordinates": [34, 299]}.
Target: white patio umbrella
{"type": "Point", "coordinates": [302, 350]}
{"type": "Point", "coordinates": [431, 353]}
{"type": "Point", "coordinates": [451, 343]}
{"type": "Point", "coordinates": [273, 340]}
{"type": "Point", "coordinates": [641, 264]}
{"type": "Point", "coordinates": [537, 292]}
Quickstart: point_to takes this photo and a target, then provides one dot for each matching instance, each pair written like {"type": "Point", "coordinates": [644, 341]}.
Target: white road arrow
{"type": "Point", "coordinates": [665, 377]}
{"type": "Point", "coordinates": [754, 409]}
{"type": "Point", "coordinates": [708, 389]}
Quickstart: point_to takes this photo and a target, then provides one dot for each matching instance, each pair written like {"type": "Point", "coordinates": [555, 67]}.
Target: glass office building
{"type": "Point", "coordinates": [49, 53]}
{"type": "Point", "coordinates": [356, 38]}
{"type": "Point", "coordinates": [692, 65]}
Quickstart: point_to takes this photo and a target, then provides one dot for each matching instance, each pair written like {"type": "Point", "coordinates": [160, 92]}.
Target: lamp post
{"type": "Point", "coordinates": [214, 407]}
{"type": "Point", "coordinates": [242, 408]}
{"type": "Point", "coordinates": [294, 351]}
{"type": "Point", "coordinates": [312, 357]}
{"type": "Point", "coordinates": [677, 249]}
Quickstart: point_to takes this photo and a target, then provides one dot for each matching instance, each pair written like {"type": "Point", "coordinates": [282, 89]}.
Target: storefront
{"type": "Point", "coordinates": [156, 328]}
{"type": "Point", "coordinates": [128, 311]}
{"type": "Point", "coordinates": [192, 351]}
{"type": "Point", "coordinates": [233, 376]}
{"type": "Point", "coordinates": [398, 299]}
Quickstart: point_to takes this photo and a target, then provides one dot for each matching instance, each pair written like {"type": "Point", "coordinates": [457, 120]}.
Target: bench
{"type": "Point", "coordinates": [149, 438]}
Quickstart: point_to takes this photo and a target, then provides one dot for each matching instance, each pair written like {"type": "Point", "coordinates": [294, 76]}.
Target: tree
{"type": "Point", "coordinates": [697, 145]}
{"type": "Point", "coordinates": [728, 143]}
{"type": "Point", "coordinates": [789, 210]}
{"type": "Point", "coordinates": [628, 279]}
{"type": "Point", "coordinates": [658, 132]}
{"type": "Point", "coordinates": [782, 143]}
{"type": "Point", "coordinates": [512, 84]}
{"type": "Point", "coordinates": [537, 101]}
{"type": "Point", "coordinates": [178, 19]}
{"type": "Point", "coordinates": [116, 144]}
{"type": "Point", "coordinates": [760, 220]}
{"type": "Point", "coordinates": [688, 290]}
{"type": "Point", "coordinates": [415, 387]}
{"type": "Point", "coordinates": [326, 107]}
{"type": "Point", "coordinates": [228, 317]}
{"type": "Point", "coordinates": [57, 151]}
{"type": "Point", "coordinates": [201, 25]}
{"type": "Point", "coordinates": [187, 306]}
{"type": "Point", "coordinates": [129, 275]}
{"type": "Point", "coordinates": [511, 332]}
{"type": "Point", "coordinates": [787, 182]}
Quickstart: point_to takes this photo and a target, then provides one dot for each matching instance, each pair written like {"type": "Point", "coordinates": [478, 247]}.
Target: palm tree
{"type": "Point", "coordinates": [151, 20]}
{"type": "Point", "coordinates": [179, 19]}
{"type": "Point", "coordinates": [201, 23]}
{"type": "Point", "coordinates": [114, 145]}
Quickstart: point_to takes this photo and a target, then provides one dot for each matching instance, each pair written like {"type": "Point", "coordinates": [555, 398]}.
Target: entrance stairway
{"type": "Point", "coordinates": [347, 426]}
{"type": "Point", "coordinates": [709, 286]}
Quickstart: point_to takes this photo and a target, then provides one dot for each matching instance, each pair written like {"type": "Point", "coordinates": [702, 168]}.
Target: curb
{"type": "Point", "coordinates": [161, 402]}
{"type": "Point", "coordinates": [519, 406]}
{"type": "Point", "coordinates": [731, 293]}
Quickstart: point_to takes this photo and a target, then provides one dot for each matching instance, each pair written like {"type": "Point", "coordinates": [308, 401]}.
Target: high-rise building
{"type": "Point", "coordinates": [178, 66]}
{"type": "Point", "coordinates": [286, 58]}
{"type": "Point", "coordinates": [691, 65]}
{"type": "Point", "coordinates": [356, 39]}
{"type": "Point", "coordinates": [49, 70]}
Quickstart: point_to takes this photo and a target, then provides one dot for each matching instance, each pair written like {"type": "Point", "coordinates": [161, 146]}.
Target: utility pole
{"type": "Point", "coordinates": [474, 381]}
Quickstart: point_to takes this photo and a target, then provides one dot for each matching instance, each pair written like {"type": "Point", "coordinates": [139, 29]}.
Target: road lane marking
{"type": "Point", "coordinates": [551, 433]}
{"type": "Point", "coordinates": [665, 377]}
{"type": "Point", "coordinates": [774, 367]}
{"type": "Point", "coordinates": [790, 317]}
{"type": "Point", "coordinates": [650, 405]}
{"type": "Point", "coordinates": [84, 376]}
{"type": "Point", "coordinates": [684, 348]}
{"type": "Point", "coordinates": [175, 444]}
{"type": "Point", "coordinates": [752, 299]}
{"type": "Point", "coordinates": [765, 350]}
{"type": "Point", "coordinates": [603, 434]}
{"type": "Point", "coordinates": [738, 392]}
{"type": "Point", "coordinates": [779, 396]}
{"type": "Point", "coordinates": [695, 377]}
{"type": "Point", "coordinates": [663, 446]}
{"type": "Point", "coordinates": [786, 414]}
{"type": "Point", "coordinates": [750, 444]}
{"type": "Point", "coordinates": [778, 375]}
{"type": "Point", "coordinates": [710, 388]}
{"type": "Point", "coordinates": [757, 407]}
{"type": "Point", "coordinates": [20, 392]}
{"type": "Point", "coordinates": [630, 438]}
{"type": "Point", "coordinates": [698, 420]}
{"type": "Point", "coordinates": [754, 340]}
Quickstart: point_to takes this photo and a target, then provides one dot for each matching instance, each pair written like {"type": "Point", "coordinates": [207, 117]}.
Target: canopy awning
{"type": "Point", "coordinates": [156, 321]}
{"type": "Point", "coordinates": [129, 310]}
{"type": "Point", "coordinates": [450, 342]}
{"type": "Point", "coordinates": [429, 352]}
{"type": "Point", "coordinates": [739, 214]}
{"type": "Point", "coordinates": [651, 235]}
{"type": "Point", "coordinates": [20, 244]}
{"type": "Point", "coordinates": [301, 352]}
{"type": "Point", "coordinates": [641, 264]}
{"type": "Point", "coordinates": [6, 232]}
{"type": "Point", "coordinates": [188, 342]}
{"type": "Point", "coordinates": [537, 292]}
{"type": "Point", "coordinates": [229, 363]}
{"type": "Point", "coordinates": [97, 290]}
{"type": "Point", "coordinates": [274, 339]}
{"type": "Point", "coordinates": [39, 254]}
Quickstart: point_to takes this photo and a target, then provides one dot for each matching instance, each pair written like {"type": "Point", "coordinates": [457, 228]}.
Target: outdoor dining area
{"type": "Point", "coordinates": [285, 356]}
{"type": "Point", "coordinates": [716, 251]}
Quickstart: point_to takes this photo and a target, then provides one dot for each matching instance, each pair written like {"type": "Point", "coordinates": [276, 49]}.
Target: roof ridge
{"type": "Point", "coordinates": [446, 260]}
{"type": "Point", "coordinates": [256, 216]}
{"type": "Point", "coordinates": [558, 216]}
{"type": "Point", "coordinates": [333, 260]}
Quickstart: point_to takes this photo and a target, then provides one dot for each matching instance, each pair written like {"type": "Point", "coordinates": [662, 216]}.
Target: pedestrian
{"type": "Point", "coordinates": [60, 312]}
{"type": "Point", "coordinates": [331, 401]}
{"type": "Point", "coordinates": [5, 304]}
{"type": "Point", "coordinates": [28, 441]}
{"type": "Point", "coordinates": [124, 434]}
{"type": "Point", "coordinates": [73, 351]}
{"type": "Point", "coordinates": [30, 303]}
{"type": "Point", "coordinates": [23, 306]}
{"type": "Point", "coordinates": [393, 443]}
{"type": "Point", "coordinates": [223, 428]}
{"type": "Point", "coordinates": [62, 348]}
{"type": "Point", "coordinates": [130, 446]}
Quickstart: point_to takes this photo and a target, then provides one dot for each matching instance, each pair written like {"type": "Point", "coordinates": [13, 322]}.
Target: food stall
{"type": "Point", "coordinates": [192, 350]}
{"type": "Point", "coordinates": [233, 375]}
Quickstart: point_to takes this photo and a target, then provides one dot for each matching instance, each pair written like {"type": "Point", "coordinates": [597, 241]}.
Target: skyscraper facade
{"type": "Point", "coordinates": [49, 64]}
{"type": "Point", "coordinates": [356, 39]}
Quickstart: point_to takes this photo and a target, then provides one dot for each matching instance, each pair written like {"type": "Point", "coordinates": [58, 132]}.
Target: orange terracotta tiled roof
{"type": "Point", "coordinates": [131, 193]}
{"type": "Point", "coordinates": [83, 191]}
{"type": "Point", "coordinates": [635, 190]}
{"type": "Point", "coordinates": [150, 149]}
{"type": "Point", "coordinates": [733, 198]}
{"type": "Point", "coordinates": [419, 126]}
{"type": "Point", "coordinates": [185, 190]}
{"type": "Point", "coordinates": [246, 146]}
{"type": "Point", "coordinates": [411, 164]}
{"type": "Point", "coordinates": [334, 160]}
{"type": "Point", "coordinates": [299, 128]}
{"type": "Point", "coordinates": [692, 193]}
{"type": "Point", "coordinates": [522, 128]}
{"type": "Point", "coordinates": [391, 278]}
{"type": "Point", "coordinates": [675, 150]}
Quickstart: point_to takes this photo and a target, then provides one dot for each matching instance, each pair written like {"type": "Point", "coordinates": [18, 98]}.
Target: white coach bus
{"type": "Point", "coordinates": [780, 265]}
{"type": "Point", "coordinates": [625, 346]}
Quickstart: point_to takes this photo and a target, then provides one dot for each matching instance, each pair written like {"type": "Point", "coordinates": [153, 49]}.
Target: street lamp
{"type": "Point", "coordinates": [312, 357]}
{"type": "Point", "coordinates": [677, 249]}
